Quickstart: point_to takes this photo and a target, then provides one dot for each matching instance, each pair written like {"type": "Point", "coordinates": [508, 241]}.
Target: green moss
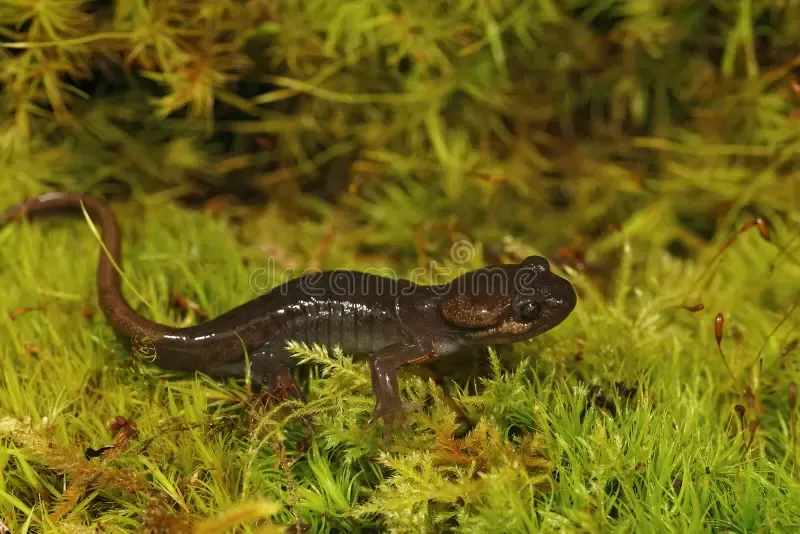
{"type": "Point", "coordinates": [670, 457]}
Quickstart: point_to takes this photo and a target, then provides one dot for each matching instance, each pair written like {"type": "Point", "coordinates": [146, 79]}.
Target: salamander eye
{"type": "Point", "coordinates": [526, 310]}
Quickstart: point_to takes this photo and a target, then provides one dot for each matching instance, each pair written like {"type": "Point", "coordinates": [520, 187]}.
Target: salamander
{"type": "Point", "coordinates": [396, 322]}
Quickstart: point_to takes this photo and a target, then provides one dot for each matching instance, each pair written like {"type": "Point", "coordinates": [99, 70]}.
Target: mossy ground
{"type": "Point", "coordinates": [670, 456]}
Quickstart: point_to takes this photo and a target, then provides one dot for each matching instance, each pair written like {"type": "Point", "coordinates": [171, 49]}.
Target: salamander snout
{"type": "Point", "coordinates": [562, 297]}
{"type": "Point", "coordinates": [536, 285]}
{"type": "Point", "coordinates": [508, 302]}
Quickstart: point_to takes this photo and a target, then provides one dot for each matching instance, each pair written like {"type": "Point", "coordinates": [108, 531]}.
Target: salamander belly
{"type": "Point", "coordinates": [354, 326]}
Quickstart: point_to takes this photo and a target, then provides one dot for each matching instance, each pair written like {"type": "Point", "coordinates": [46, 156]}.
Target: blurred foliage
{"type": "Point", "coordinates": [569, 115]}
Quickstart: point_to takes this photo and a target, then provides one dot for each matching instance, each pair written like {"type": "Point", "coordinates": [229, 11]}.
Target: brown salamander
{"type": "Point", "coordinates": [396, 322]}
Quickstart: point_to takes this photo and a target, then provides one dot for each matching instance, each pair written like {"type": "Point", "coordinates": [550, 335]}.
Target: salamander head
{"type": "Point", "coordinates": [508, 303]}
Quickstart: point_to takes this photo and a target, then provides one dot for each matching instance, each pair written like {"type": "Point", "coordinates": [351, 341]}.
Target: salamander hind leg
{"type": "Point", "coordinates": [272, 367]}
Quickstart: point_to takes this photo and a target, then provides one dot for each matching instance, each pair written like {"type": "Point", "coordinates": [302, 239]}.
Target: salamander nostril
{"type": "Point", "coordinates": [562, 299]}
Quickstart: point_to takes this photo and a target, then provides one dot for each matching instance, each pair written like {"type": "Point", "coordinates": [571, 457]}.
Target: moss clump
{"type": "Point", "coordinates": [505, 109]}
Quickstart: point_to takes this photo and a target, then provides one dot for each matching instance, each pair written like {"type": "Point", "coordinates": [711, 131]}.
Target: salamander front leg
{"type": "Point", "coordinates": [383, 367]}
